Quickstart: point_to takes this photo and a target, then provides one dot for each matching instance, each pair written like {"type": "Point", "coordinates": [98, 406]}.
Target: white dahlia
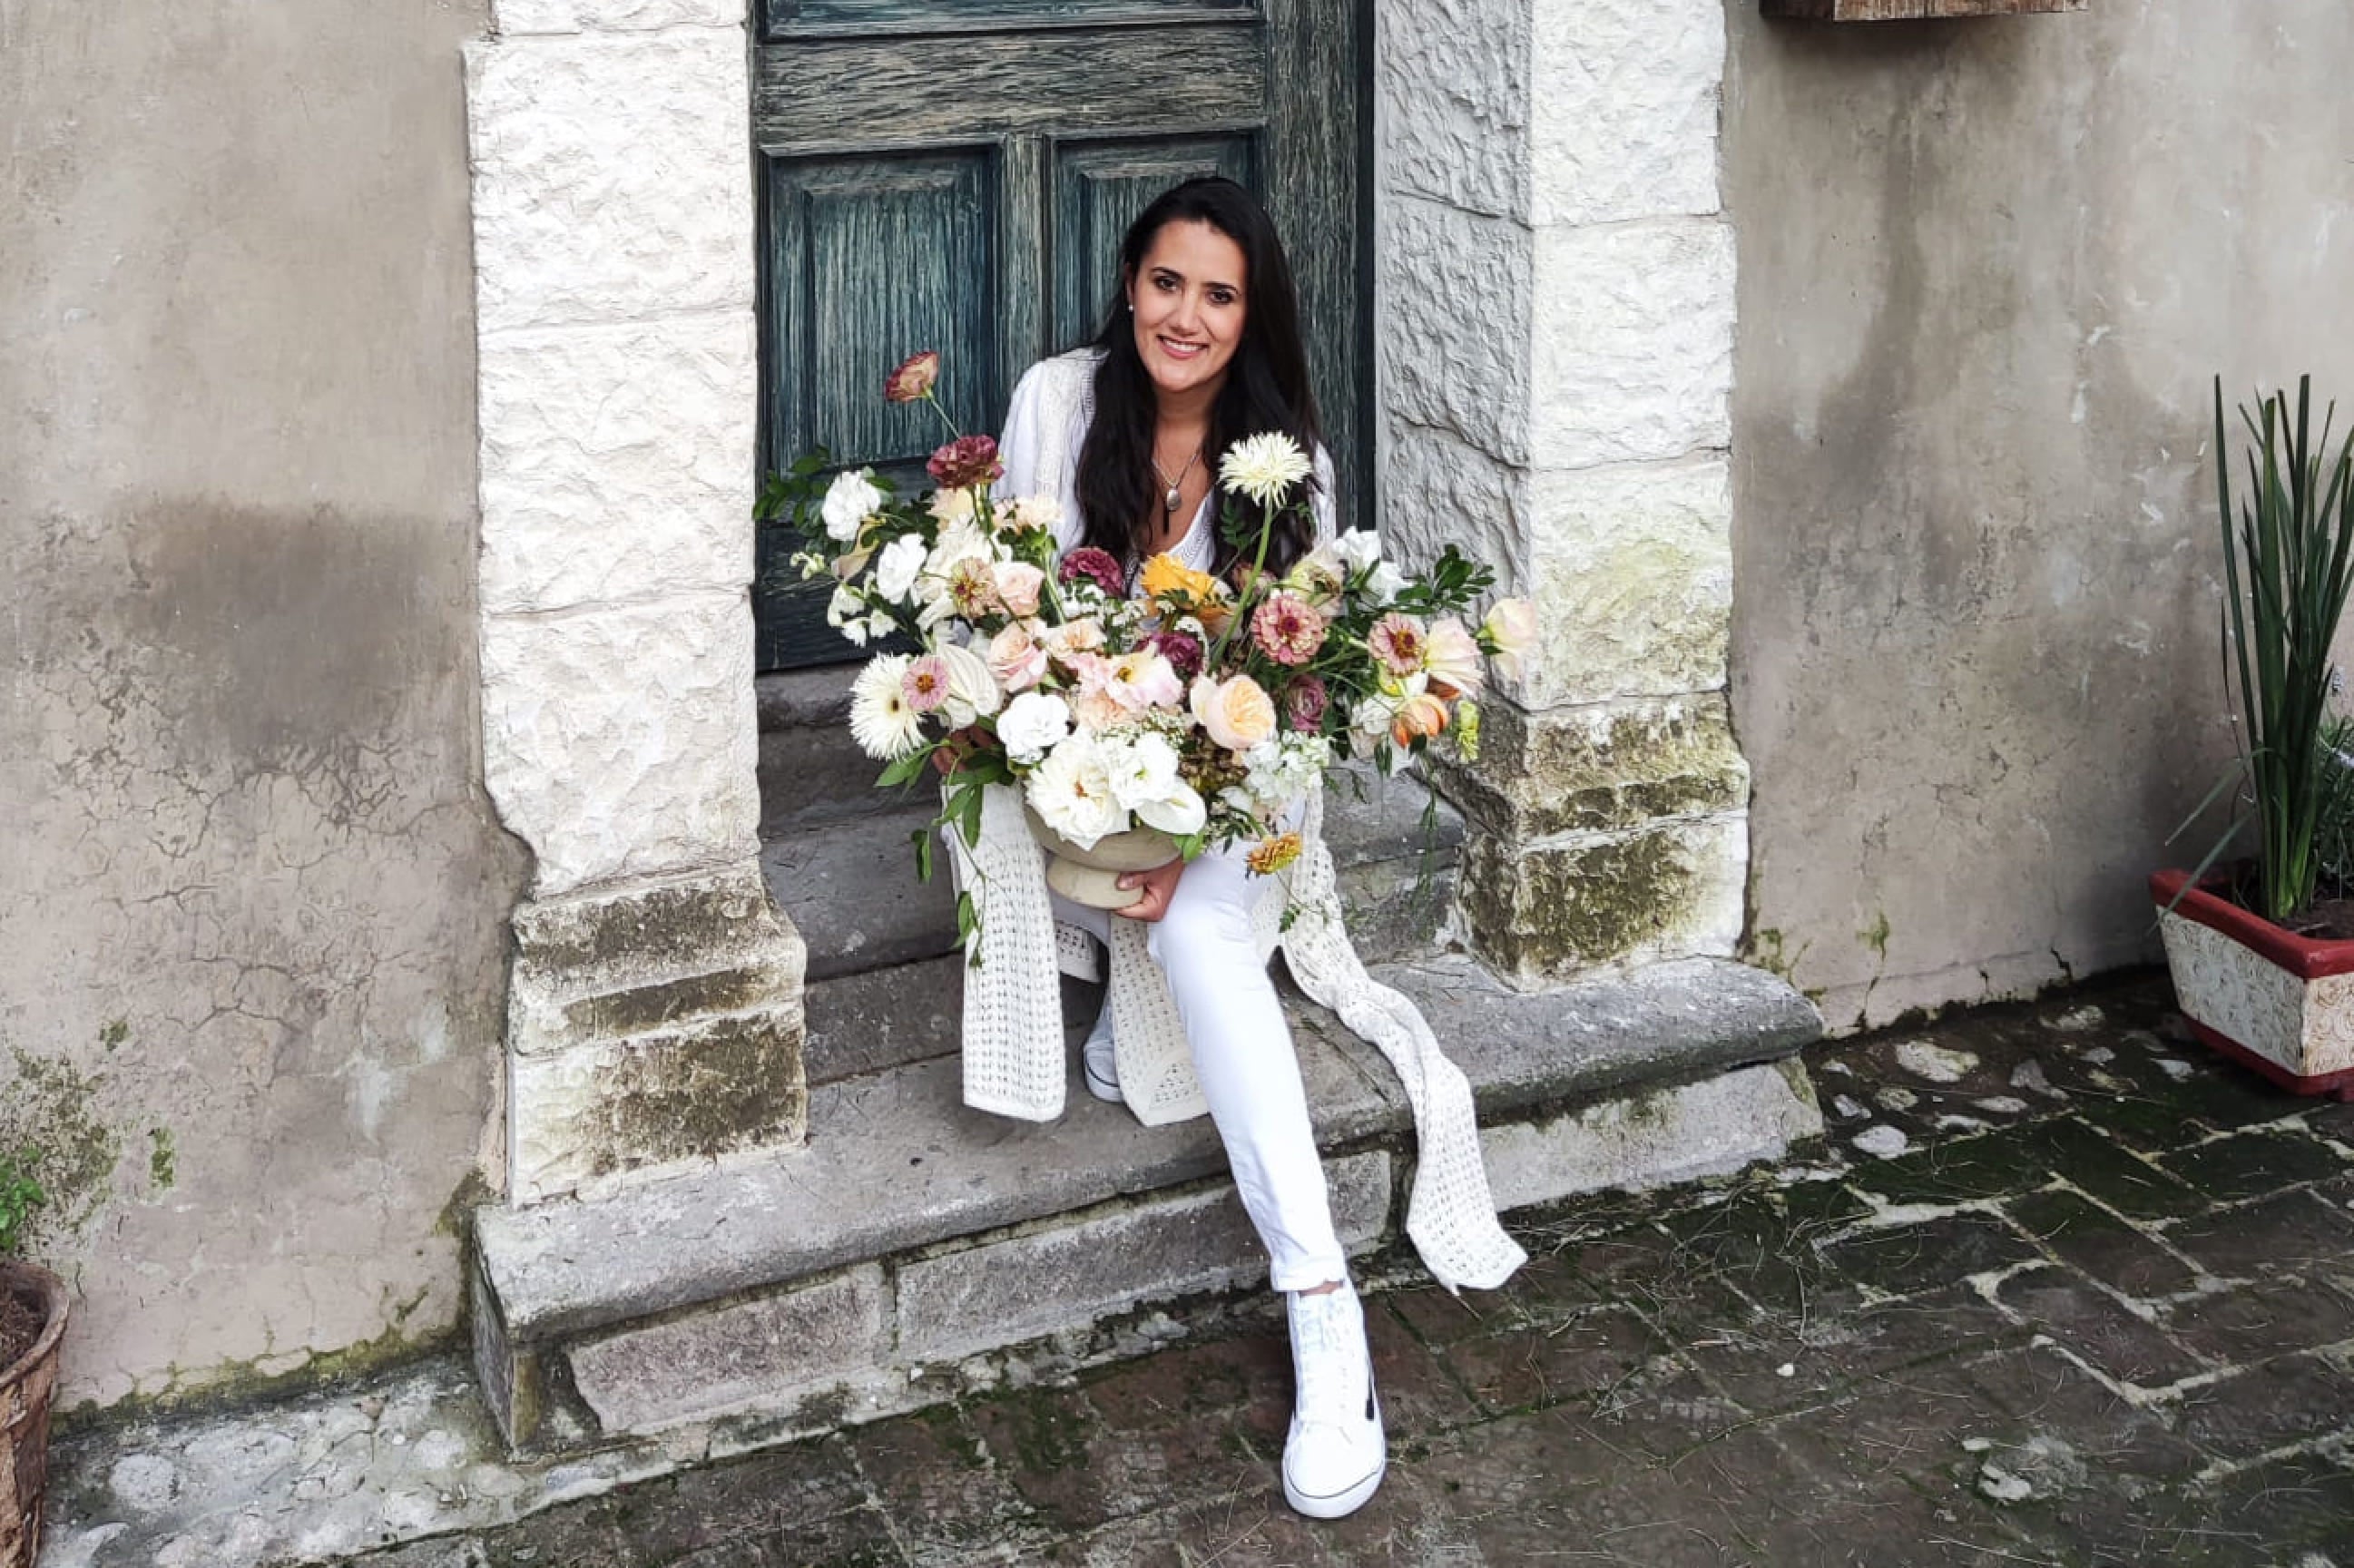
{"type": "Point", "coordinates": [1265, 467]}
{"type": "Point", "coordinates": [882, 721]}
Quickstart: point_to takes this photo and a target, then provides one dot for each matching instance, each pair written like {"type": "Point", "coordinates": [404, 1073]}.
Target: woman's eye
{"type": "Point", "coordinates": [1222, 296]}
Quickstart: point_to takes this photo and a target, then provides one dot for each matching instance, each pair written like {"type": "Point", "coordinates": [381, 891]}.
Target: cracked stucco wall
{"type": "Point", "coordinates": [1988, 270]}
{"type": "Point", "coordinates": [251, 893]}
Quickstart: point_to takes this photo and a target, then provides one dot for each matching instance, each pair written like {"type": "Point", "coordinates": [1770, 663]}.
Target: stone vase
{"type": "Point", "coordinates": [2273, 1001]}
{"type": "Point", "coordinates": [25, 1388]}
{"type": "Point", "coordinates": [1091, 875]}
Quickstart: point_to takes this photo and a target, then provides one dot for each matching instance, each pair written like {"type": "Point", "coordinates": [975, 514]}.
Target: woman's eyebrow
{"type": "Point", "coordinates": [1210, 283]}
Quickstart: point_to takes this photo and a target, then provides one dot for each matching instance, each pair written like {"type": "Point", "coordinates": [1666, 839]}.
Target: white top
{"type": "Point", "coordinates": [1044, 460]}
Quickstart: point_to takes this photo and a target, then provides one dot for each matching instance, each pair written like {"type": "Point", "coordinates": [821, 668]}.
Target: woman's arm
{"type": "Point", "coordinates": [1023, 445]}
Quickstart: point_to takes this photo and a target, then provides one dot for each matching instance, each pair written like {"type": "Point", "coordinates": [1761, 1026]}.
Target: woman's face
{"type": "Point", "coordinates": [1189, 298]}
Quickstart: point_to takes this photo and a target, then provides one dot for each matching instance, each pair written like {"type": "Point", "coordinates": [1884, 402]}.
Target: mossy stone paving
{"type": "Point", "coordinates": [2054, 1337]}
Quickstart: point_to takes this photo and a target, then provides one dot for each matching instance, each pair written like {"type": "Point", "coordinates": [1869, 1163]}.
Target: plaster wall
{"type": "Point", "coordinates": [1988, 270]}
{"type": "Point", "coordinates": [252, 894]}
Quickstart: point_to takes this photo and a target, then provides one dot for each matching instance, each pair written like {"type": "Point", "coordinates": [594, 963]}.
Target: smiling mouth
{"type": "Point", "coordinates": [1176, 350]}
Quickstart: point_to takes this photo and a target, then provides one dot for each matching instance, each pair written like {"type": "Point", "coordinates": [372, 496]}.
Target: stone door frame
{"type": "Point", "coordinates": [1554, 306]}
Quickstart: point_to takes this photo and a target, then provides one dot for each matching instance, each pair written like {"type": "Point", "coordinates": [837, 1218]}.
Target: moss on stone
{"type": "Point", "coordinates": [162, 1160]}
{"type": "Point", "coordinates": [1556, 909]}
{"type": "Point", "coordinates": [50, 1114]}
{"type": "Point", "coordinates": [1875, 935]}
{"type": "Point", "coordinates": [1541, 775]}
{"type": "Point", "coordinates": [729, 1087]}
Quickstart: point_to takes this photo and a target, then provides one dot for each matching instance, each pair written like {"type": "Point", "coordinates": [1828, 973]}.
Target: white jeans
{"type": "Point", "coordinates": [1242, 1055]}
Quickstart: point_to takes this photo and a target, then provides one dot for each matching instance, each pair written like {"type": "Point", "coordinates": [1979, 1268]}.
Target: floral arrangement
{"type": "Point", "coordinates": [1202, 707]}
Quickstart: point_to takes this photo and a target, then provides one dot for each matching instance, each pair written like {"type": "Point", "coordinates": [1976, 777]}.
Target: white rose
{"type": "Point", "coordinates": [1071, 793]}
{"type": "Point", "coordinates": [1386, 583]}
{"type": "Point", "coordinates": [1033, 725]}
{"type": "Point", "coordinates": [1359, 549]}
{"type": "Point", "coordinates": [850, 500]}
{"type": "Point", "coordinates": [896, 568]}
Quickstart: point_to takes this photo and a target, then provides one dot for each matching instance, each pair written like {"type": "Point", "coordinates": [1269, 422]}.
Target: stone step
{"type": "Point", "coordinates": [914, 1245]}
{"type": "Point", "coordinates": [883, 976]}
{"type": "Point", "coordinates": [850, 886]}
{"type": "Point", "coordinates": [811, 772]}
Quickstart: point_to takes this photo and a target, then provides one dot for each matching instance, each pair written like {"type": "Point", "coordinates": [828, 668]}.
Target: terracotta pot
{"type": "Point", "coordinates": [1091, 875]}
{"type": "Point", "coordinates": [2273, 1001]}
{"type": "Point", "coordinates": [25, 1391]}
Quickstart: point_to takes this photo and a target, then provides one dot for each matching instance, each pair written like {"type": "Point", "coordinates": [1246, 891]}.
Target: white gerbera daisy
{"type": "Point", "coordinates": [1265, 467]}
{"type": "Point", "coordinates": [883, 722]}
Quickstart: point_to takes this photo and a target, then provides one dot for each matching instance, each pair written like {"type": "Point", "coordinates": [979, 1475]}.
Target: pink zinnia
{"type": "Point", "coordinates": [1288, 629]}
{"type": "Point", "coordinates": [1183, 652]}
{"type": "Point", "coordinates": [1399, 642]}
{"type": "Point", "coordinates": [1088, 564]}
{"type": "Point", "coordinates": [965, 462]}
{"type": "Point", "coordinates": [1304, 701]}
{"type": "Point", "coordinates": [926, 683]}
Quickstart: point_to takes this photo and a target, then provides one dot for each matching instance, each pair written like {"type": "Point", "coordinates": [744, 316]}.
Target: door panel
{"type": "Point", "coordinates": [926, 220]}
{"type": "Point", "coordinates": [1098, 189]}
{"type": "Point", "coordinates": [956, 174]}
{"type": "Point", "coordinates": [791, 19]}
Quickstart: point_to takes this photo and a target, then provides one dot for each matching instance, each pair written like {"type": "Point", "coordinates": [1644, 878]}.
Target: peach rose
{"type": "Point", "coordinates": [1015, 658]}
{"type": "Point", "coordinates": [1018, 583]}
{"type": "Point", "coordinates": [1419, 716]}
{"type": "Point", "coordinates": [1236, 714]}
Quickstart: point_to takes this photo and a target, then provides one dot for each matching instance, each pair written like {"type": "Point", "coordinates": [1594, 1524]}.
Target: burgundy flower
{"type": "Point", "coordinates": [914, 378]}
{"type": "Point", "coordinates": [1303, 702]}
{"type": "Point", "coordinates": [965, 462]}
{"type": "Point", "coordinates": [1088, 564]}
{"type": "Point", "coordinates": [1183, 652]}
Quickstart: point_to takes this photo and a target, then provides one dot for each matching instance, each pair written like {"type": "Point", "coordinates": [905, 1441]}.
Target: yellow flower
{"type": "Point", "coordinates": [1270, 855]}
{"type": "Point", "coordinates": [1165, 575]}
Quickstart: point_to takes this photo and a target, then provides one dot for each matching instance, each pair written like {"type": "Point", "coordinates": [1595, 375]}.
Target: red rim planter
{"type": "Point", "coordinates": [24, 1390]}
{"type": "Point", "coordinates": [2277, 1002]}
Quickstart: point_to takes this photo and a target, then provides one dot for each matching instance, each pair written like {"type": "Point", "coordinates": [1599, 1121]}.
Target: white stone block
{"type": "Point", "coordinates": [612, 177]}
{"type": "Point", "coordinates": [1455, 322]}
{"type": "Point", "coordinates": [1624, 105]}
{"type": "Point", "coordinates": [1633, 582]}
{"type": "Point", "coordinates": [1634, 342]}
{"type": "Point", "coordinates": [1451, 106]}
{"type": "Point", "coordinates": [516, 17]}
{"type": "Point", "coordinates": [623, 743]}
{"type": "Point", "coordinates": [616, 461]}
{"type": "Point", "coordinates": [1707, 1129]}
{"type": "Point", "coordinates": [1438, 490]}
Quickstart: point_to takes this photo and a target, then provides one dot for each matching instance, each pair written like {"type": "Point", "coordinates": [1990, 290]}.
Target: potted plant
{"type": "Point", "coordinates": [2262, 975]}
{"type": "Point", "coordinates": [32, 1326]}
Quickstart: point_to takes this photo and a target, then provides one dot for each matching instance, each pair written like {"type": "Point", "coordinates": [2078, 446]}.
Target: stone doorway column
{"type": "Point", "coordinates": [1556, 298]}
{"type": "Point", "coordinates": [655, 1002]}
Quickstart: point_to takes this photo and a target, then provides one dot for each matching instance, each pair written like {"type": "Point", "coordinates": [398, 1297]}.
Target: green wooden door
{"type": "Point", "coordinates": [956, 173]}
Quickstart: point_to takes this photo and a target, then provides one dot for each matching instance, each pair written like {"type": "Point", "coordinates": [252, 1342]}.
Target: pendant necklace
{"type": "Point", "coordinates": [1175, 497]}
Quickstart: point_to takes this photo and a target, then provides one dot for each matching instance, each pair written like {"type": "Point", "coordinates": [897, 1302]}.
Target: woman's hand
{"type": "Point", "coordinates": [1154, 889]}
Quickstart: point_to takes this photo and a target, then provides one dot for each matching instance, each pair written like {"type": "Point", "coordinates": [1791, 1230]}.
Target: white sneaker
{"type": "Point", "coordinates": [1098, 1062]}
{"type": "Point", "coordinates": [1334, 1458]}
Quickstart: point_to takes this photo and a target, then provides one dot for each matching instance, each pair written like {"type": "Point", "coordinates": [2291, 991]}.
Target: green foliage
{"type": "Point", "coordinates": [19, 1196]}
{"type": "Point", "coordinates": [2333, 838]}
{"type": "Point", "coordinates": [2288, 563]}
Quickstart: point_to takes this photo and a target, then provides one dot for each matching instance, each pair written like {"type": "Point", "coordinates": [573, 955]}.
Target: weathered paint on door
{"type": "Point", "coordinates": [956, 174]}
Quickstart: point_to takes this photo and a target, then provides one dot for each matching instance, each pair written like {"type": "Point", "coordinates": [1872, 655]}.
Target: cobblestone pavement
{"type": "Point", "coordinates": [2062, 1290]}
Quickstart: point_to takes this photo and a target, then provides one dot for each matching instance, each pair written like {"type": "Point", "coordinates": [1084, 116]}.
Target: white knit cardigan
{"type": "Point", "coordinates": [1014, 1040]}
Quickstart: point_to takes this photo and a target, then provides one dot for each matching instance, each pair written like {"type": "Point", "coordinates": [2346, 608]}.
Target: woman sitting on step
{"type": "Point", "coordinates": [1201, 349]}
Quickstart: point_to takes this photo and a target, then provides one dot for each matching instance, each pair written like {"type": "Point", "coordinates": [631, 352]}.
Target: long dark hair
{"type": "Point", "coordinates": [1265, 387]}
